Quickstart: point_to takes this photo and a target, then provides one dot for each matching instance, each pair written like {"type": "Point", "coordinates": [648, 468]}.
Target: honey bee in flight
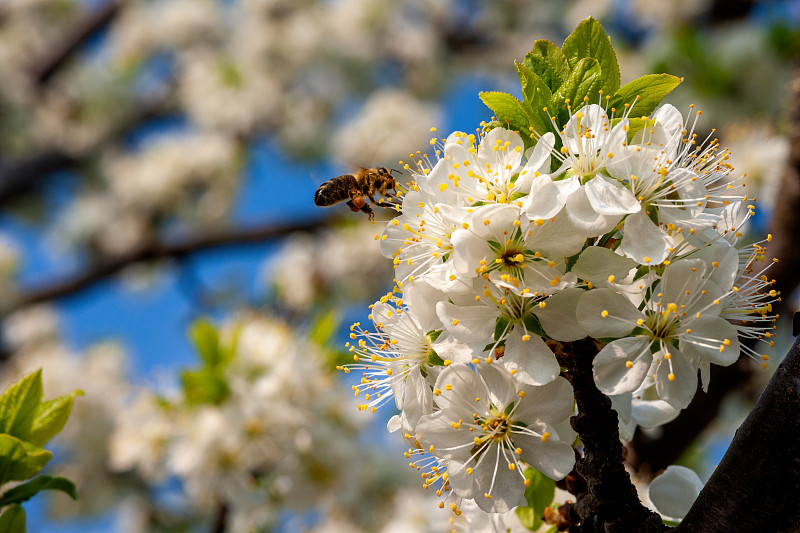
{"type": "Point", "coordinates": [355, 187]}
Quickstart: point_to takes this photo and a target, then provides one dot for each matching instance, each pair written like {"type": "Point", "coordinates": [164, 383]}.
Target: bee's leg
{"type": "Point", "coordinates": [358, 204]}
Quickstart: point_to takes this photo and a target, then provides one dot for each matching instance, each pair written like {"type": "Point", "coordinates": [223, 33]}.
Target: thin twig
{"type": "Point", "coordinates": [88, 25]}
{"type": "Point", "coordinates": [155, 251]}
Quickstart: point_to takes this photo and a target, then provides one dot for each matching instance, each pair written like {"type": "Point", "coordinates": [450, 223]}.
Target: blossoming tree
{"type": "Point", "coordinates": [571, 267]}
{"type": "Point", "coordinates": [573, 273]}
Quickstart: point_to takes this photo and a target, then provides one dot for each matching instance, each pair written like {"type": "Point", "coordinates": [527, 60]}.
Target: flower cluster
{"type": "Point", "coordinates": [624, 230]}
{"type": "Point", "coordinates": [253, 443]}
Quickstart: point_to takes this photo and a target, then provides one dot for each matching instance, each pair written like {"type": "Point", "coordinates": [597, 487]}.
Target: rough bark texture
{"type": "Point", "coordinates": [756, 485]}
{"type": "Point", "coordinates": [610, 502]}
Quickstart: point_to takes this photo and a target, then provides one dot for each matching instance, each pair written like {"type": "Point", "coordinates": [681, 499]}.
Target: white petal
{"type": "Point", "coordinates": [545, 199]}
{"type": "Point", "coordinates": [652, 413]}
{"type": "Point", "coordinates": [680, 390]}
{"type": "Point", "coordinates": [468, 250]}
{"type": "Point", "coordinates": [674, 491]}
{"type": "Point", "coordinates": [393, 424]}
{"type": "Point", "coordinates": [499, 383]}
{"type": "Point", "coordinates": [708, 337]}
{"type": "Point", "coordinates": [558, 317]}
{"type": "Point", "coordinates": [538, 161]}
{"type": "Point", "coordinates": [421, 300]}
{"type": "Point", "coordinates": [553, 458]}
{"type": "Point", "coordinates": [596, 264]}
{"type": "Point", "coordinates": [643, 241]}
{"type": "Point", "coordinates": [551, 403]}
{"type": "Point", "coordinates": [507, 486]}
{"type": "Point", "coordinates": [621, 314]}
{"type": "Point", "coordinates": [584, 217]}
{"type": "Point", "coordinates": [610, 370]}
{"type": "Point", "coordinates": [531, 362]}
{"type": "Point", "coordinates": [417, 398]}
{"type": "Point", "coordinates": [468, 323]}
{"type": "Point", "coordinates": [556, 238]}
{"type": "Point", "coordinates": [610, 197]}
{"type": "Point", "coordinates": [436, 430]}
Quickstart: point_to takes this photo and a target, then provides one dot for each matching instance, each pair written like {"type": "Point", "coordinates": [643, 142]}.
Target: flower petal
{"type": "Point", "coordinates": [620, 314]}
{"type": "Point", "coordinates": [584, 217]}
{"type": "Point", "coordinates": [610, 197]}
{"type": "Point", "coordinates": [610, 367]}
{"type": "Point", "coordinates": [643, 241]}
{"type": "Point", "coordinates": [557, 317]}
{"type": "Point", "coordinates": [674, 491]}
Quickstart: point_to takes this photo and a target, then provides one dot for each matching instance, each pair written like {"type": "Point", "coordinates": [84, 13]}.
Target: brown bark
{"type": "Point", "coordinates": [756, 484]}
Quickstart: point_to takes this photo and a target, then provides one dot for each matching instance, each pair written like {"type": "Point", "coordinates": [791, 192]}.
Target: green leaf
{"type": "Point", "coordinates": [20, 460]}
{"type": "Point", "coordinates": [508, 110]}
{"type": "Point", "coordinates": [650, 89]}
{"type": "Point", "coordinates": [26, 491]}
{"type": "Point", "coordinates": [18, 405]}
{"type": "Point", "coordinates": [206, 339]}
{"type": "Point", "coordinates": [434, 334]}
{"type": "Point", "coordinates": [532, 324]}
{"type": "Point", "coordinates": [50, 418]}
{"type": "Point", "coordinates": [324, 326]}
{"type": "Point", "coordinates": [501, 327]}
{"type": "Point", "coordinates": [590, 40]}
{"type": "Point", "coordinates": [584, 81]}
{"type": "Point", "coordinates": [13, 520]}
{"type": "Point", "coordinates": [205, 386]}
{"type": "Point", "coordinates": [536, 96]}
{"type": "Point", "coordinates": [539, 494]}
{"type": "Point", "coordinates": [548, 62]}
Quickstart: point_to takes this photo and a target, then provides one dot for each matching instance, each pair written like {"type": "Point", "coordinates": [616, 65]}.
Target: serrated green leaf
{"type": "Point", "coordinates": [13, 520]}
{"type": "Point", "coordinates": [18, 405]}
{"type": "Point", "coordinates": [536, 96]}
{"type": "Point", "coordinates": [26, 491]}
{"type": "Point", "coordinates": [548, 62]}
{"type": "Point", "coordinates": [205, 386]}
{"type": "Point", "coordinates": [539, 495]}
{"type": "Point", "coordinates": [584, 81]}
{"type": "Point", "coordinates": [590, 40]}
{"type": "Point", "coordinates": [20, 460]}
{"type": "Point", "coordinates": [50, 418]}
{"type": "Point", "coordinates": [205, 338]}
{"type": "Point", "coordinates": [507, 109]}
{"type": "Point", "coordinates": [650, 89]}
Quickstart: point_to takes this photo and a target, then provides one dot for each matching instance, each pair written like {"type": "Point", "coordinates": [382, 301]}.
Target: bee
{"type": "Point", "coordinates": [355, 187]}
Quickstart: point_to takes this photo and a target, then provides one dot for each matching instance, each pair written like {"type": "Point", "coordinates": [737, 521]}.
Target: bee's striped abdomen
{"type": "Point", "coordinates": [335, 190]}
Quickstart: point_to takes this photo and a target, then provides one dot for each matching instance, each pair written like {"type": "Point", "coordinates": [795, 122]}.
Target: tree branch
{"type": "Point", "coordinates": [756, 484]}
{"type": "Point", "coordinates": [88, 25]}
{"type": "Point", "coordinates": [610, 503]}
{"type": "Point", "coordinates": [155, 251]}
